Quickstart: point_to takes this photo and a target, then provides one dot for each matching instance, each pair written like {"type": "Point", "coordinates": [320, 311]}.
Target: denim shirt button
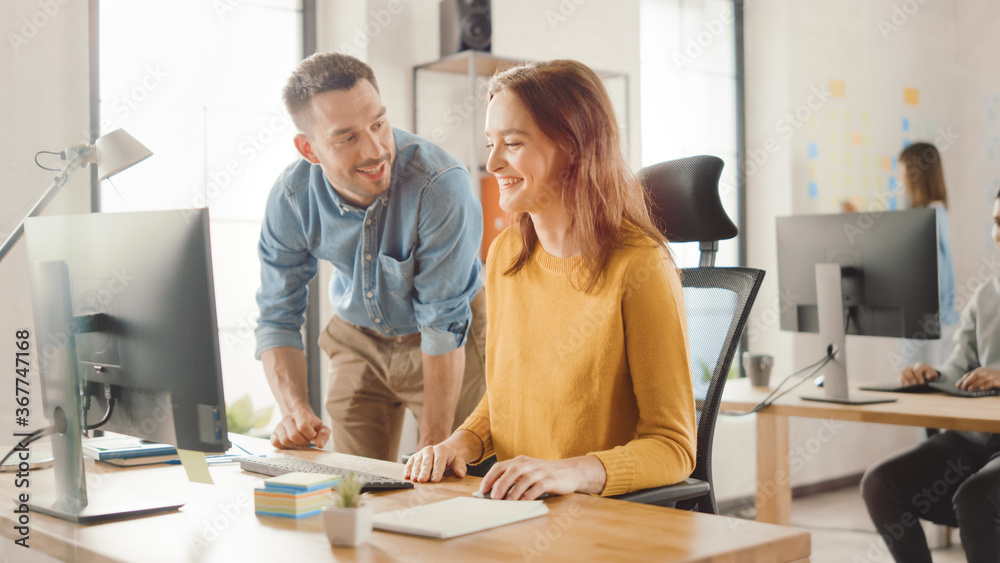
{"type": "Point", "coordinates": [368, 257]}
{"type": "Point", "coordinates": [369, 295]}
{"type": "Point", "coordinates": [378, 321]}
{"type": "Point", "coordinates": [368, 221]}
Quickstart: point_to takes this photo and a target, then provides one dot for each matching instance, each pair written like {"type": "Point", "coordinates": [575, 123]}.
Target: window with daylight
{"type": "Point", "coordinates": [688, 95]}
{"type": "Point", "coordinates": [199, 83]}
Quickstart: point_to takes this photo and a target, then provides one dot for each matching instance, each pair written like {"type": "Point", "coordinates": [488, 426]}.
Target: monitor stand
{"type": "Point", "coordinates": [56, 328]}
{"type": "Point", "coordinates": [832, 331]}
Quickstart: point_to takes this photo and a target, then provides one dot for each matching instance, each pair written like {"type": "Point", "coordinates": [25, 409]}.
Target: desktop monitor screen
{"type": "Point", "coordinates": [889, 271]}
{"type": "Point", "coordinates": [124, 308]}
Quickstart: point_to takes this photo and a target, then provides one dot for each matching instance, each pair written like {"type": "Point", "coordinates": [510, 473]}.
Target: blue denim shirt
{"type": "Point", "coordinates": [406, 263]}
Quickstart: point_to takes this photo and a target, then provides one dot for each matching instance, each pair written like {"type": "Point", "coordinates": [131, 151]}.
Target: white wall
{"type": "Point", "coordinates": [45, 105]}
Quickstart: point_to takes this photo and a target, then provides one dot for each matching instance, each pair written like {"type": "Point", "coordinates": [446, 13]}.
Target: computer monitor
{"type": "Point", "coordinates": [869, 274]}
{"type": "Point", "coordinates": [124, 306]}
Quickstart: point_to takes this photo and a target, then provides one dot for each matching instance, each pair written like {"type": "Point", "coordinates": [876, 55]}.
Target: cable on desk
{"type": "Point", "coordinates": [771, 398]}
{"type": "Point", "coordinates": [34, 436]}
{"type": "Point", "coordinates": [107, 414]}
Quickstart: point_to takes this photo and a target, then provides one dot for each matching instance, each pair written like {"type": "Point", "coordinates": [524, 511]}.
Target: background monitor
{"type": "Point", "coordinates": [124, 307]}
{"type": "Point", "coordinates": [886, 276]}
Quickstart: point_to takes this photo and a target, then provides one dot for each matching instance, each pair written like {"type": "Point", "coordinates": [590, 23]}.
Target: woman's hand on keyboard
{"type": "Point", "coordinates": [980, 379]}
{"type": "Point", "coordinates": [918, 373]}
{"type": "Point", "coordinates": [431, 463]}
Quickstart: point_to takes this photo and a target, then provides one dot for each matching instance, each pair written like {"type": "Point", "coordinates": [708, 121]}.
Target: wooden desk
{"type": "Point", "coordinates": [774, 490]}
{"type": "Point", "coordinates": [219, 524]}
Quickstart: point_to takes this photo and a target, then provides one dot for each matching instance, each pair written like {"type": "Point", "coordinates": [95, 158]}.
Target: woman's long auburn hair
{"type": "Point", "coordinates": [924, 175]}
{"type": "Point", "coordinates": [569, 104]}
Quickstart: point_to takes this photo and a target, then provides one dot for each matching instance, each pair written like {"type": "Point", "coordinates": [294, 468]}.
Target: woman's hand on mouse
{"type": "Point", "coordinates": [527, 478]}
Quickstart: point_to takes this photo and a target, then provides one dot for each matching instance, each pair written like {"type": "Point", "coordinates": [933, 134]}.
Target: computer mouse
{"type": "Point", "coordinates": [819, 381]}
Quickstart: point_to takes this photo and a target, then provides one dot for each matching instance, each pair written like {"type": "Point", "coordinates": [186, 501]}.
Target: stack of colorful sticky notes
{"type": "Point", "coordinates": [294, 495]}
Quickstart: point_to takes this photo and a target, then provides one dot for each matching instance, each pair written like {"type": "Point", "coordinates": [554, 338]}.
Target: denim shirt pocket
{"type": "Point", "coordinates": [397, 275]}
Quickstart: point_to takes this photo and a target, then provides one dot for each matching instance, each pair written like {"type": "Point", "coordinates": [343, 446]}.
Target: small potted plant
{"type": "Point", "coordinates": [348, 521]}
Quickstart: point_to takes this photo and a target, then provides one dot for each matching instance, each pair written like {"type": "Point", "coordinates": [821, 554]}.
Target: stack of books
{"type": "Point", "coordinates": [118, 449]}
{"type": "Point", "coordinates": [295, 495]}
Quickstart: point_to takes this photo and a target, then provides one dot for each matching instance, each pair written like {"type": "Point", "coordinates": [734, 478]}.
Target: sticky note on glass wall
{"type": "Point", "coordinates": [838, 88]}
{"type": "Point", "coordinates": [911, 96]}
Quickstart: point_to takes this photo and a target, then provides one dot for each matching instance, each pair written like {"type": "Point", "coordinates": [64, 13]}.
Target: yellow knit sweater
{"type": "Point", "coordinates": [606, 373]}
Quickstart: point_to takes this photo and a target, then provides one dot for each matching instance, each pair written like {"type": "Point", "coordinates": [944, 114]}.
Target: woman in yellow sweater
{"type": "Point", "coordinates": [587, 363]}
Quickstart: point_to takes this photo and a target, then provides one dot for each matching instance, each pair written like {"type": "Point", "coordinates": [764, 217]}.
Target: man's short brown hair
{"type": "Point", "coordinates": [321, 72]}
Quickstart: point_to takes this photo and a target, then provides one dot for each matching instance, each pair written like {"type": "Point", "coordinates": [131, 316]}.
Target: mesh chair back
{"type": "Point", "coordinates": [717, 303]}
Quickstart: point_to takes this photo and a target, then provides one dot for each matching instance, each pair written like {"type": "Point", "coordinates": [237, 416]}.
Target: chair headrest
{"type": "Point", "coordinates": [684, 197]}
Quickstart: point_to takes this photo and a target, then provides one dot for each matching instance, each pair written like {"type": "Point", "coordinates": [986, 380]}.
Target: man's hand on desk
{"type": "Point", "coordinates": [298, 428]}
{"type": "Point", "coordinates": [918, 373]}
{"type": "Point", "coordinates": [980, 379]}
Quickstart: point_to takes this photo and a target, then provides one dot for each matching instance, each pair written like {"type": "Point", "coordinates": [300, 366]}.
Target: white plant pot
{"type": "Point", "coordinates": [348, 526]}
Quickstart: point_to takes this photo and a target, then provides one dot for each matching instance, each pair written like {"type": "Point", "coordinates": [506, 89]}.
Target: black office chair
{"type": "Point", "coordinates": [685, 202]}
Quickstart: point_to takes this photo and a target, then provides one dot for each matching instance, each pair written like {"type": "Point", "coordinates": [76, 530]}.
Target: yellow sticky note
{"type": "Point", "coordinates": [864, 118]}
{"type": "Point", "coordinates": [911, 96]}
{"type": "Point", "coordinates": [195, 466]}
{"type": "Point", "coordinates": [812, 171]}
{"type": "Point", "coordinates": [838, 88]}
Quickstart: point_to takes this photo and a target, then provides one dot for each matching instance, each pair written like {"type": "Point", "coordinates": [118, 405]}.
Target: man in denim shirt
{"type": "Point", "coordinates": [396, 217]}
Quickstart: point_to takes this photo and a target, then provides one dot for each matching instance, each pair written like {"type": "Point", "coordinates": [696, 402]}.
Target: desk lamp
{"type": "Point", "coordinates": [112, 153]}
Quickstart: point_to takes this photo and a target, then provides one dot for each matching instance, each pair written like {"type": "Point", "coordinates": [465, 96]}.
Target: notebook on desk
{"type": "Point", "coordinates": [458, 516]}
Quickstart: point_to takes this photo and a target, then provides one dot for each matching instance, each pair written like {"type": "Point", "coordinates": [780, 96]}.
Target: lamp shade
{"type": "Point", "coordinates": [117, 151]}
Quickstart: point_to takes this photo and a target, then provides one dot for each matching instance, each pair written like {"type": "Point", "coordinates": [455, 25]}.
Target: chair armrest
{"type": "Point", "coordinates": [668, 494]}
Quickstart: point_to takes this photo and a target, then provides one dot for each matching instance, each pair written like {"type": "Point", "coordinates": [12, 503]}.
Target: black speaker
{"type": "Point", "coordinates": [465, 24]}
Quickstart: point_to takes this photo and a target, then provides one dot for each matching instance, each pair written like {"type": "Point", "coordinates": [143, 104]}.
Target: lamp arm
{"type": "Point", "coordinates": [40, 205]}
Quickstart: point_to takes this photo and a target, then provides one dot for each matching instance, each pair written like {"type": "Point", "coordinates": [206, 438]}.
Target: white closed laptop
{"type": "Point", "coordinates": [458, 516]}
